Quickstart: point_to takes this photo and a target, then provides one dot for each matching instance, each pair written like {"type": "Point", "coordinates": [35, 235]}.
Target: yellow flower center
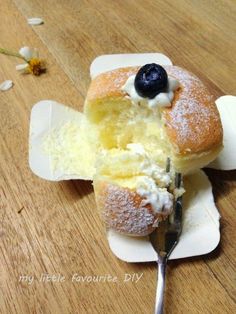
{"type": "Point", "coordinates": [36, 66]}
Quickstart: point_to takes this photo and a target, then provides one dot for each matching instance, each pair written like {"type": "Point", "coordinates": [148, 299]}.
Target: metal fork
{"type": "Point", "coordinates": [164, 239]}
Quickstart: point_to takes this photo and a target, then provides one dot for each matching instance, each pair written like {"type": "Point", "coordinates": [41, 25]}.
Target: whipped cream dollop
{"type": "Point", "coordinates": [149, 167]}
{"type": "Point", "coordinates": [161, 99]}
{"type": "Point", "coordinates": [159, 198]}
{"type": "Point", "coordinates": [161, 177]}
{"type": "Point", "coordinates": [153, 183]}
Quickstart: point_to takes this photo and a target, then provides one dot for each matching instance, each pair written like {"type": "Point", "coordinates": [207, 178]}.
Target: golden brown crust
{"type": "Point", "coordinates": [122, 209]}
{"type": "Point", "coordinates": [108, 84]}
{"type": "Point", "coordinates": [192, 123]}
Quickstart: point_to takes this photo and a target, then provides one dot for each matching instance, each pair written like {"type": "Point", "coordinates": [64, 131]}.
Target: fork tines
{"type": "Point", "coordinates": [178, 201]}
{"type": "Point", "coordinates": [178, 180]}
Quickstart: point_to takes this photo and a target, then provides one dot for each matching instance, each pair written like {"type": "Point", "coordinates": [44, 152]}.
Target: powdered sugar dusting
{"type": "Point", "coordinates": [193, 115]}
{"type": "Point", "coordinates": [122, 213]}
{"type": "Point", "coordinates": [121, 78]}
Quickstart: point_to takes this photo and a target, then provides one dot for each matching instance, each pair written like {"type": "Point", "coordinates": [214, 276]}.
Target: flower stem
{"type": "Point", "coordinates": [11, 53]}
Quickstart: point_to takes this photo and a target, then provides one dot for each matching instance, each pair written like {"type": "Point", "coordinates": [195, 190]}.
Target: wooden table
{"type": "Point", "coordinates": [54, 228]}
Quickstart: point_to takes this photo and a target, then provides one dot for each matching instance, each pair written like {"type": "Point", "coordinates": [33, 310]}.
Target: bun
{"type": "Point", "coordinates": [136, 143]}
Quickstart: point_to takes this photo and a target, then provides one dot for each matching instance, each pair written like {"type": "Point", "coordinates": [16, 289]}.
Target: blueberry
{"type": "Point", "coordinates": [151, 80]}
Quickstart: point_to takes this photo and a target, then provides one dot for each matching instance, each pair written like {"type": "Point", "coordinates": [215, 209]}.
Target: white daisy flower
{"type": "Point", "coordinates": [33, 64]}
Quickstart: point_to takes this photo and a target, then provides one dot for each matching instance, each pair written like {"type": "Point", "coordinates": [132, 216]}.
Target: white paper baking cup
{"type": "Point", "coordinates": [106, 63]}
{"type": "Point", "coordinates": [226, 160]}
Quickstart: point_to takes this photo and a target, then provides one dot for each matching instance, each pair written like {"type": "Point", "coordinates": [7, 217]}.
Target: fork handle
{"type": "Point", "coordinates": [162, 260]}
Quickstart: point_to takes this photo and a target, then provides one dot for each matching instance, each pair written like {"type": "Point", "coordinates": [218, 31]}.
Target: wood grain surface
{"type": "Point", "coordinates": [54, 228]}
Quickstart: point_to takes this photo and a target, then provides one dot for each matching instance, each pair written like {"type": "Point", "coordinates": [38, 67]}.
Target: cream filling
{"type": "Point", "coordinates": [151, 181]}
{"type": "Point", "coordinates": [153, 185]}
{"type": "Point", "coordinates": [159, 198]}
{"type": "Point", "coordinates": [149, 167]}
{"type": "Point", "coordinates": [135, 168]}
{"type": "Point", "coordinates": [161, 99]}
